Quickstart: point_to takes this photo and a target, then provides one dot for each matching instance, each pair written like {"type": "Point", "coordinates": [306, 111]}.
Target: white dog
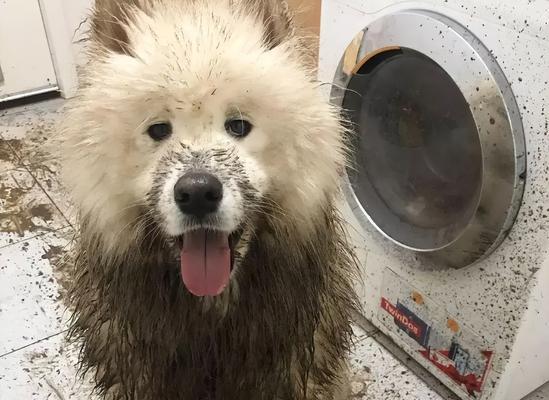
{"type": "Point", "coordinates": [203, 160]}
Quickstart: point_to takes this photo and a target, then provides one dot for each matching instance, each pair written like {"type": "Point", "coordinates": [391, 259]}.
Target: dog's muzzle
{"type": "Point", "coordinates": [207, 255]}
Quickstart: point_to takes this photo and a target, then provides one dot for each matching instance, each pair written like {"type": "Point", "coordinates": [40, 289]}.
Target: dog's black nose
{"type": "Point", "coordinates": [198, 193]}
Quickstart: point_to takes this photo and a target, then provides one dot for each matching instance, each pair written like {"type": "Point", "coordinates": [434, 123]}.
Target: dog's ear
{"type": "Point", "coordinates": [277, 19]}
{"type": "Point", "coordinates": [109, 22]}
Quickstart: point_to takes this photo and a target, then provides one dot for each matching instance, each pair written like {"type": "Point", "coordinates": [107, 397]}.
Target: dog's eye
{"type": "Point", "coordinates": [160, 131]}
{"type": "Point", "coordinates": [238, 127]}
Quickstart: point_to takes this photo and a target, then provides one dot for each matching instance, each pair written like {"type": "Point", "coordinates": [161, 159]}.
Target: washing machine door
{"type": "Point", "coordinates": [439, 164]}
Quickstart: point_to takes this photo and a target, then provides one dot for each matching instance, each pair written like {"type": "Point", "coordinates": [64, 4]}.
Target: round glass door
{"type": "Point", "coordinates": [418, 163]}
{"type": "Point", "coordinates": [439, 158]}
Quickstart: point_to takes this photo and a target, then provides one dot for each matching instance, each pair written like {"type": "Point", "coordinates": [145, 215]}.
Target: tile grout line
{"type": "Point", "coordinates": [38, 235]}
{"type": "Point", "coordinates": [12, 149]}
{"type": "Point", "coordinates": [33, 343]}
{"type": "Point", "coordinates": [21, 165]}
{"type": "Point", "coordinates": [27, 168]}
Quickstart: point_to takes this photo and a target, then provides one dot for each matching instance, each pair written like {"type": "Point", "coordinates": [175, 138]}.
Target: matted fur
{"type": "Point", "coordinates": [282, 328]}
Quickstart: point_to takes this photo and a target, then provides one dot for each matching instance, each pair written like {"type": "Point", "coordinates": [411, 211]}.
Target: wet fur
{"type": "Point", "coordinates": [288, 326]}
{"type": "Point", "coordinates": [282, 328]}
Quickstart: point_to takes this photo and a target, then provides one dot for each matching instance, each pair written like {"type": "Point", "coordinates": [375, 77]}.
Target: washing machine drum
{"type": "Point", "coordinates": [436, 165]}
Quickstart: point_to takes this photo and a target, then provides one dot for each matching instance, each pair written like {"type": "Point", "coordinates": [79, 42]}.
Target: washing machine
{"type": "Point", "coordinates": [446, 198]}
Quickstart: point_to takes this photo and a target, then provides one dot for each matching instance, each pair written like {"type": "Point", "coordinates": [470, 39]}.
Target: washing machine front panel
{"type": "Point", "coordinates": [501, 299]}
{"type": "Point", "coordinates": [440, 163]}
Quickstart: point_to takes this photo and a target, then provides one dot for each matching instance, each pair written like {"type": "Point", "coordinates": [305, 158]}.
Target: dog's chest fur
{"type": "Point", "coordinates": [148, 338]}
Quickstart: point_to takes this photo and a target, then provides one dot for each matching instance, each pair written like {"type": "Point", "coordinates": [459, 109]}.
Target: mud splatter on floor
{"type": "Point", "coordinates": [31, 135]}
{"type": "Point", "coordinates": [8, 157]}
{"type": "Point", "coordinates": [62, 261]}
{"type": "Point", "coordinates": [25, 209]}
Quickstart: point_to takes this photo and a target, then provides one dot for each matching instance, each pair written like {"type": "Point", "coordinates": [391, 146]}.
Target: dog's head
{"type": "Point", "coordinates": [195, 123]}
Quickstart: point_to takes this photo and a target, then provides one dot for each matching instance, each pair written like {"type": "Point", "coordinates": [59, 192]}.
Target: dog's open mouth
{"type": "Point", "coordinates": [207, 258]}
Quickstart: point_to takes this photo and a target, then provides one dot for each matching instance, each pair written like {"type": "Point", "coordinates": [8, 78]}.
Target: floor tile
{"type": "Point", "coordinates": [8, 158]}
{"type": "Point", "coordinates": [49, 179]}
{"type": "Point", "coordinates": [31, 307]}
{"type": "Point", "coordinates": [541, 394]}
{"type": "Point", "coordinates": [25, 209]}
{"type": "Point", "coordinates": [43, 371]}
{"type": "Point", "coordinates": [30, 132]}
{"type": "Point", "coordinates": [376, 375]}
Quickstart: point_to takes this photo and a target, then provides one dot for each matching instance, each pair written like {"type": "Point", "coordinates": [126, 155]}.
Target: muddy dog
{"type": "Point", "coordinates": [203, 160]}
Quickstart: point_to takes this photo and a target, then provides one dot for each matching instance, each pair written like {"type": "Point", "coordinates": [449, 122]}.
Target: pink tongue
{"type": "Point", "coordinates": [206, 262]}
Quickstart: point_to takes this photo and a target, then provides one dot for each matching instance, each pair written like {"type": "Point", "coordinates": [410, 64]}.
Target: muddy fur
{"type": "Point", "coordinates": [289, 324]}
{"type": "Point", "coordinates": [281, 330]}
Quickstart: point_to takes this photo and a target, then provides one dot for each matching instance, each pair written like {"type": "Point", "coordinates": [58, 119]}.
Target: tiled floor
{"type": "Point", "coordinates": [36, 227]}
